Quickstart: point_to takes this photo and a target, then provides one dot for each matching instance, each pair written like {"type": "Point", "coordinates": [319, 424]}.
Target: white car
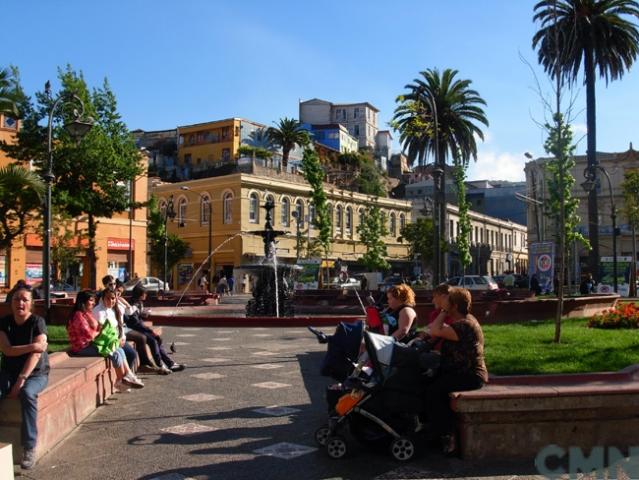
{"type": "Point", "coordinates": [350, 284]}
{"type": "Point", "coordinates": [151, 284]}
{"type": "Point", "coordinates": [474, 282]}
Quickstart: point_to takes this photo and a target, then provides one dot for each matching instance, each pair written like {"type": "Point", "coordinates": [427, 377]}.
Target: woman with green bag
{"type": "Point", "coordinates": [89, 339]}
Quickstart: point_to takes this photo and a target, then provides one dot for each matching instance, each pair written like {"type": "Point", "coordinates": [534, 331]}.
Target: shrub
{"type": "Point", "coordinates": [621, 316]}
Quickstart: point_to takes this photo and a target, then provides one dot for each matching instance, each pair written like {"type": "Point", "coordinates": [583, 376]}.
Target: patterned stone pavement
{"type": "Point", "coordinates": [248, 414]}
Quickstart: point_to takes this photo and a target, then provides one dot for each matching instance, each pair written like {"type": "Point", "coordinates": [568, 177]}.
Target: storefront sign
{"type": "Point", "coordinates": [120, 243]}
{"type": "Point", "coordinates": [33, 273]}
{"type": "Point", "coordinates": [307, 278]}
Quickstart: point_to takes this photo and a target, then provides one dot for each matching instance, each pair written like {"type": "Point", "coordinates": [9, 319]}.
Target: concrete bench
{"type": "Point", "coordinates": [515, 417]}
{"type": "Point", "coordinates": [77, 386]}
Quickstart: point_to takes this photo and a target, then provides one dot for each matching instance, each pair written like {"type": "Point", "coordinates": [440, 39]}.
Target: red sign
{"type": "Point", "coordinates": [119, 243]}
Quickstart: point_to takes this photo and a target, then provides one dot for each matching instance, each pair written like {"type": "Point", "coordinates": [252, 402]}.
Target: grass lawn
{"type": "Point", "coordinates": [528, 348]}
{"type": "Point", "coordinates": [57, 338]}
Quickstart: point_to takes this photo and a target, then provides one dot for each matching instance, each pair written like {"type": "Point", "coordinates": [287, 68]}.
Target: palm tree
{"type": "Point", "coordinates": [440, 115]}
{"type": "Point", "coordinates": [8, 92]}
{"type": "Point", "coordinates": [595, 32]}
{"type": "Point", "coordinates": [21, 192]}
{"type": "Point", "coordinates": [286, 134]}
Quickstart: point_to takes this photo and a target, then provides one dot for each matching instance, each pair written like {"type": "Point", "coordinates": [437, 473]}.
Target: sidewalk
{"type": "Point", "coordinates": [245, 408]}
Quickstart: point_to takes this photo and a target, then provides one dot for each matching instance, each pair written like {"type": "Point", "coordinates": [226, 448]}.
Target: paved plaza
{"type": "Point", "coordinates": [246, 408]}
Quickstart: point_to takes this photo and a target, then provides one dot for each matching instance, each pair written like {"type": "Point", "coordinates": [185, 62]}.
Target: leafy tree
{"type": "Point", "coordinates": [371, 231]}
{"type": "Point", "coordinates": [255, 152]}
{"type": "Point", "coordinates": [286, 134]}
{"type": "Point", "coordinates": [65, 245]}
{"type": "Point", "coordinates": [596, 33]}
{"type": "Point", "coordinates": [91, 177]}
{"type": "Point", "coordinates": [176, 247]}
{"type": "Point", "coordinates": [10, 91]}
{"type": "Point", "coordinates": [630, 187]}
{"type": "Point", "coordinates": [21, 193]}
{"type": "Point", "coordinates": [419, 235]}
{"type": "Point", "coordinates": [314, 175]}
{"type": "Point", "coordinates": [369, 180]}
{"type": "Point", "coordinates": [463, 237]}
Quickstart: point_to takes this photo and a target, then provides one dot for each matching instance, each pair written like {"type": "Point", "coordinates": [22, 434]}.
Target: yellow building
{"type": "Point", "coordinates": [113, 237]}
{"type": "Point", "coordinates": [236, 207]}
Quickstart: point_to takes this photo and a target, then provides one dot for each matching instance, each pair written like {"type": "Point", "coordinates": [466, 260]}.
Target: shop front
{"type": "Point", "coordinates": [118, 257]}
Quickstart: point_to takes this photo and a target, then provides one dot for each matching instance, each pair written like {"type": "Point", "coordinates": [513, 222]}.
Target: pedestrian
{"type": "Point", "coordinates": [231, 282]}
{"type": "Point", "coordinates": [222, 286]}
{"type": "Point", "coordinates": [25, 367]}
{"type": "Point", "coordinates": [535, 287]}
{"type": "Point", "coordinates": [587, 285]}
{"type": "Point", "coordinates": [204, 281]}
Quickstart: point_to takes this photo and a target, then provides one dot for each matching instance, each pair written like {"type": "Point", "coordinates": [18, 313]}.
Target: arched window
{"type": "Point", "coordinates": [349, 219]}
{"type": "Point", "coordinates": [163, 208]}
{"type": "Point", "coordinates": [254, 208]}
{"type": "Point", "coordinates": [182, 212]}
{"type": "Point", "coordinates": [329, 210]}
{"type": "Point", "coordinates": [285, 214]}
{"type": "Point", "coordinates": [339, 219]}
{"type": "Point", "coordinates": [299, 208]}
{"type": "Point", "coordinates": [311, 215]}
{"type": "Point", "coordinates": [402, 222]}
{"type": "Point", "coordinates": [360, 214]}
{"type": "Point", "coordinates": [393, 225]}
{"type": "Point", "coordinates": [227, 207]}
{"type": "Point", "coordinates": [205, 205]}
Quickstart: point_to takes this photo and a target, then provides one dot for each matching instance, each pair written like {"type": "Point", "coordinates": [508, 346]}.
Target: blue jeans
{"type": "Point", "coordinates": [117, 357]}
{"type": "Point", "coordinates": [29, 402]}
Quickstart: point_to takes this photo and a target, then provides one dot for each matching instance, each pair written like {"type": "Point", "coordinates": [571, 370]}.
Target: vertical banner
{"type": "Point", "coordinates": [541, 262]}
{"type": "Point", "coordinates": [185, 273]}
{"type": "Point", "coordinates": [606, 267]}
{"type": "Point", "coordinates": [307, 278]}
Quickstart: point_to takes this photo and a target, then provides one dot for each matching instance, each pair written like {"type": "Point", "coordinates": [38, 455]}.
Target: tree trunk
{"type": "Point", "coordinates": [591, 121]}
{"type": "Point", "coordinates": [91, 252]}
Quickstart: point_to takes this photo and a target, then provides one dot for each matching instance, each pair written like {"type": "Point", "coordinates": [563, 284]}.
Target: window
{"type": "Point", "coordinates": [227, 206]}
{"type": "Point", "coordinates": [226, 154]}
{"type": "Point", "coordinates": [299, 208]}
{"type": "Point", "coordinates": [337, 112]}
{"type": "Point", "coordinates": [187, 159]}
{"type": "Point", "coordinates": [393, 225]}
{"type": "Point", "coordinates": [402, 222]}
{"type": "Point", "coordinates": [311, 215]}
{"type": "Point", "coordinates": [286, 212]}
{"type": "Point", "coordinates": [451, 230]}
{"type": "Point", "coordinates": [163, 208]}
{"type": "Point", "coordinates": [356, 113]}
{"type": "Point", "coordinates": [205, 205]}
{"type": "Point", "coordinates": [254, 212]}
{"type": "Point", "coordinates": [182, 212]}
{"type": "Point", "coordinates": [344, 114]}
{"type": "Point", "coordinates": [360, 214]}
{"type": "Point", "coordinates": [356, 131]}
{"type": "Point", "coordinates": [349, 219]}
{"type": "Point", "coordinates": [225, 133]}
{"type": "Point", "coordinates": [329, 209]}
{"type": "Point", "coordinates": [339, 218]}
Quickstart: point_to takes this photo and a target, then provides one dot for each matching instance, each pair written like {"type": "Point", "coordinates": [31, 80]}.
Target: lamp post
{"type": "Point", "coordinates": [210, 213]}
{"type": "Point", "coordinates": [77, 128]}
{"type": "Point", "coordinates": [169, 212]}
{"type": "Point", "coordinates": [589, 186]}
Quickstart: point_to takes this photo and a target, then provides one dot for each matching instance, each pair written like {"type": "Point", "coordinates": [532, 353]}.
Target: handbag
{"type": "Point", "coordinates": [107, 340]}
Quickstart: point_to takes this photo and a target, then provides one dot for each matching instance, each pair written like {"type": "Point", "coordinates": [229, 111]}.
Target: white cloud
{"type": "Point", "coordinates": [497, 166]}
{"type": "Point", "coordinates": [579, 129]}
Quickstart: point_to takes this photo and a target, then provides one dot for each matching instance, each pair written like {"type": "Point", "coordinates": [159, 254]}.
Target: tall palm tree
{"type": "Point", "coordinates": [596, 33]}
{"type": "Point", "coordinates": [21, 192]}
{"type": "Point", "coordinates": [440, 115]}
{"type": "Point", "coordinates": [286, 134]}
{"type": "Point", "coordinates": [8, 92]}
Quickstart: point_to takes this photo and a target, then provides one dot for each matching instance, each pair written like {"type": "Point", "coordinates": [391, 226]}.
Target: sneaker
{"type": "Point", "coordinates": [28, 459]}
{"type": "Point", "coordinates": [177, 367]}
{"type": "Point", "coordinates": [132, 381]}
{"type": "Point", "coordinates": [119, 387]}
{"type": "Point", "coordinates": [148, 369]}
{"type": "Point", "coordinates": [164, 370]}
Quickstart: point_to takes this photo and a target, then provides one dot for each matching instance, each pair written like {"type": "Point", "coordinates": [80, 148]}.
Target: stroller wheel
{"type": "Point", "coordinates": [336, 446]}
{"type": "Point", "coordinates": [321, 435]}
{"type": "Point", "coordinates": [402, 449]}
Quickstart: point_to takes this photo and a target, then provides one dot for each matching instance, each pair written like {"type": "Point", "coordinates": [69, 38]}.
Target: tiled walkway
{"type": "Point", "coordinates": [245, 408]}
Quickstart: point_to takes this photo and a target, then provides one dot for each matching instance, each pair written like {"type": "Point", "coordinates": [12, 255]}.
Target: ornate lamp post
{"type": "Point", "coordinates": [78, 127]}
{"type": "Point", "coordinates": [210, 213]}
{"type": "Point", "coordinates": [590, 185]}
{"type": "Point", "coordinates": [168, 213]}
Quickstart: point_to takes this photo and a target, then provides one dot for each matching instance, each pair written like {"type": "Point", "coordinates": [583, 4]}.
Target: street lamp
{"type": "Point", "coordinates": [590, 185]}
{"type": "Point", "coordinates": [298, 222]}
{"type": "Point", "coordinates": [210, 212]}
{"type": "Point", "coordinates": [169, 212]}
{"type": "Point", "coordinates": [77, 128]}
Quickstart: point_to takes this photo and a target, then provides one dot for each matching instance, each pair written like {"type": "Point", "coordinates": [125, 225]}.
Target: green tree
{"type": "Point", "coordinates": [255, 152]}
{"type": "Point", "coordinates": [419, 235]}
{"type": "Point", "coordinates": [463, 236]}
{"type": "Point", "coordinates": [65, 245]}
{"type": "Point", "coordinates": [597, 34]}
{"type": "Point", "coordinates": [10, 91]}
{"type": "Point", "coordinates": [176, 247]}
{"type": "Point", "coordinates": [286, 134]}
{"type": "Point", "coordinates": [91, 177]}
{"type": "Point", "coordinates": [314, 175]}
{"type": "Point", "coordinates": [371, 231]}
{"type": "Point", "coordinates": [630, 187]}
{"type": "Point", "coordinates": [370, 179]}
{"type": "Point", "coordinates": [21, 193]}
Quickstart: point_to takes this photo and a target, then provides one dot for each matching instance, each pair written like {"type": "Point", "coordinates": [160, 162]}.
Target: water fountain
{"type": "Point", "coordinates": [272, 293]}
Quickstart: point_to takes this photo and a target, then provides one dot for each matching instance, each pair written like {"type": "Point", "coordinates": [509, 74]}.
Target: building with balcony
{"type": "Point", "coordinates": [334, 136]}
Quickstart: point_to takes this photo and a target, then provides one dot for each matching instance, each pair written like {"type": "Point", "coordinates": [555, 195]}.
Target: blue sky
{"type": "Point", "coordinates": [173, 63]}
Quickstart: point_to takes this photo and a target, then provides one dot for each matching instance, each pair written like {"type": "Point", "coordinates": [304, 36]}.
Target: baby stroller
{"type": "Point", "coordinates": [380, 402]}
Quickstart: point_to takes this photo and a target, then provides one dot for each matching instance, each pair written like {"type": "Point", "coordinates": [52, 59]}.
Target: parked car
{"type": "Point", "coordinates": [474, 282]}
{"type": "Point", "coordinates": [152, 284]}
{"type": "Point", "coordinates": [500, 280]}
{"type": "Point", "coordinates": [350, 284]}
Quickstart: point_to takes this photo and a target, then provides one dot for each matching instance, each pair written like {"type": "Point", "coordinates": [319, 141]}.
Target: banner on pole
{"type": "Point", "coordinates": [541, 262]}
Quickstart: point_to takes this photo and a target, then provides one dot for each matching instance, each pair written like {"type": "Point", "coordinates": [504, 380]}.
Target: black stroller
{"type": "Point", "coordinates": [380, 402]}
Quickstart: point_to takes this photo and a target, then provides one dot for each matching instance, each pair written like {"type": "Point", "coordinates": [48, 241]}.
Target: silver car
{"type": "Point", "coordinates": [474, 282]}
{"type": "Point", "coordinates": [151, 284]}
